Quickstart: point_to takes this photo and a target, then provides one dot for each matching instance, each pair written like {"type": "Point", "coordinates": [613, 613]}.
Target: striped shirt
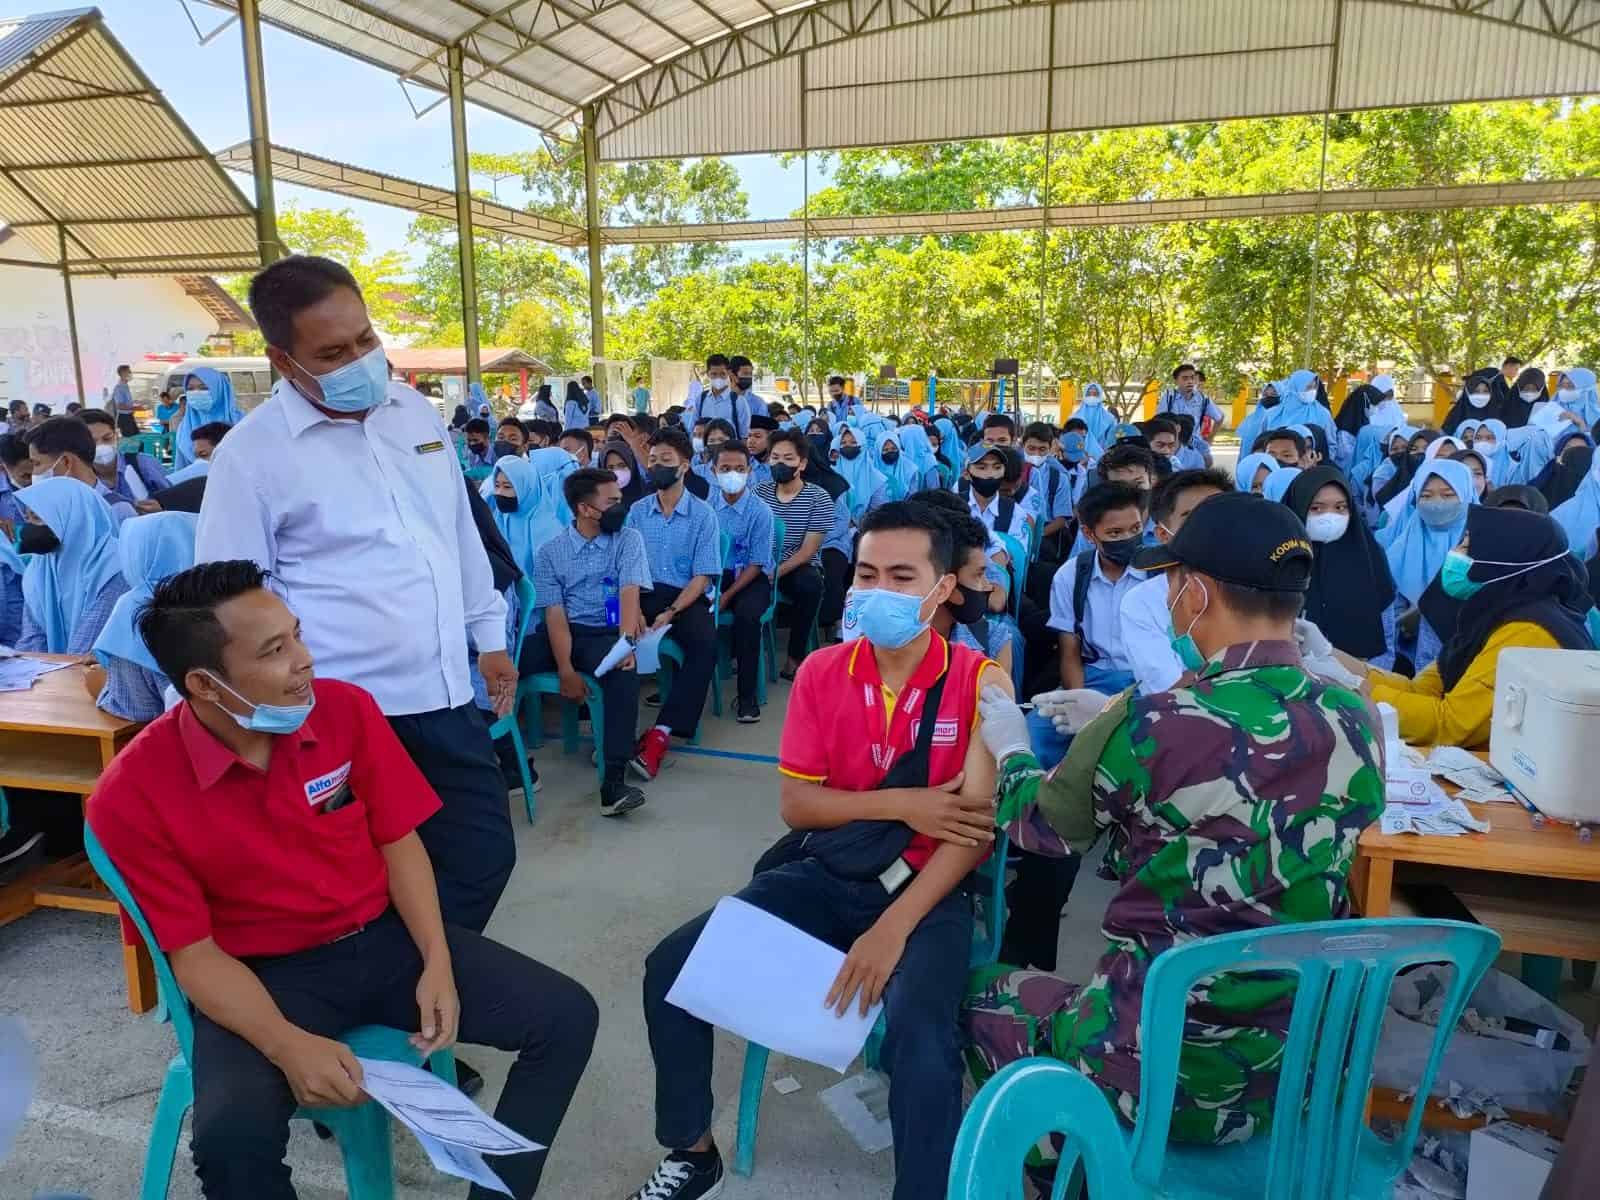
{"type": "Point", "coordinates": [810, 511]}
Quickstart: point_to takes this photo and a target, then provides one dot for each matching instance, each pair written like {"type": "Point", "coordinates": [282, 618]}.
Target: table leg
{"type": "Point", "coordinates": [1374, 894]}
{"type": "Point", "coordinates": [141, 972]}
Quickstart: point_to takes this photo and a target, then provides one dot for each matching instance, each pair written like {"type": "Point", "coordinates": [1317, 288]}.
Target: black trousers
{"type": "Point", "coordinates": [618, 688]}
{"type": "Point", "coordinates": [242, 1102]}
{"type": "Point", "coordinates": [801, 589]}
{"type": "Point", "coordinates": [470, 839]}
{"type": "Point", "coordinates": [695, 630]}
{"type": "Point", "coordinates": [126, 425]}
{"type": "Point", "coordinates": [748, 607]}
{"type": "Point", "coordinates": [1034, 900]}
{"type": "Point", "coordinates": [835, 583]}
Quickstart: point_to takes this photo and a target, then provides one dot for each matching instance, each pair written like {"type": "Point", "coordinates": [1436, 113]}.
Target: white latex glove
{"type": "Point", "coordinates": [1005, 727]}
{"type": "Point", "coordinates": [1311, 640]}
{"type": "Point", "coordinates": [1070, 709]}
{"type": "Point", "coordinates": [1316, 654]}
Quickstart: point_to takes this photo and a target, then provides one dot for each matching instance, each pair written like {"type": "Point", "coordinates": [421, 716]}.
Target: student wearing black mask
{"type": "Point", "coordinates": [965, 618]}
{"type": "Point", "coordinates": [1087, 593]}
{"type": "Point", "coordinates": [479, 452]}
{"type": "Point", "coordinates": [510, 437]}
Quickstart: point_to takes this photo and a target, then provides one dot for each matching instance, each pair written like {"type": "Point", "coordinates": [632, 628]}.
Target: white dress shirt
{"type": "Point", "coordinates": [1102, 609]}
{"type": "Point", "coordinates": [988, 511]}
{"type": "Point", "coordinates": [1145, 636]}
{"type": "Point", "coordinates": [366, 528]}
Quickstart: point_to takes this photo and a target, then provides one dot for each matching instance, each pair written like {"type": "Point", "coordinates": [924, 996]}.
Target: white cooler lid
{"type": "Point", "coordinates": [1571, 678]}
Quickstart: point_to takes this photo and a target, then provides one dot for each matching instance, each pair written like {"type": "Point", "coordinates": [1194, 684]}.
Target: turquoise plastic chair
{"type": "Point", "coordinates": [987, 932]}
{"type": "Point", "coordinates": [1319, 1147]}
{"type": "Point", "coordinates": [509, 725]}
{"type": "Point", "coordinates": [362, 1132]}
{"type": "Point", "coordinates": [479, 474]}
{"type": "Point", "coordinates": [766, 664]}
{"type": "Point", "coordinates": [548, 683]}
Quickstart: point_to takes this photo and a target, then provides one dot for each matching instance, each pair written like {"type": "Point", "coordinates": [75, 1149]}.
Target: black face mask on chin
{"type": "Point", "coordinates": [783, 472]}
{"type": "Point", "coordinates": [612, 519]}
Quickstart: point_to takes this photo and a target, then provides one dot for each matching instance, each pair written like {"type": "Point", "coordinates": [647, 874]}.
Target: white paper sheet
{"type": "Point", "coordinates": [426, 1105]}
{"type": "Point", "coordinates": [764, 980]}
{"type": "Point", "coordinates": [616, 654]}
{"type": "Point", "coordinates": [461, 1162]}
{"type": "Point", "coordinates": [18, 673]}
{"type": "Point", "coordinates": [647, 651]}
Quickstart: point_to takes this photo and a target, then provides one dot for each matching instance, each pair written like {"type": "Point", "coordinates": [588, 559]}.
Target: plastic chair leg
{"type": "Point", "coordinates": [750, 1088]}
{"type": "Point", "coordinates": [764, 667]}
{"type": "Point", "coordinates": [177, 1094]}
{"type": "Point", "coordinates": [529, 803]}
{"type": "Point", "coordinates": [363, 1135]}
{"type": "Point", "coordinates": [569, 727]}
{"type": "Point", "coordinates": [443, 1065]}
{"type": "Point", "coordinates": [597, 722]}
{"type": "Point", "coordinates": [1542, 973]}
{"type": "Point", "coordinates": [769, 640]}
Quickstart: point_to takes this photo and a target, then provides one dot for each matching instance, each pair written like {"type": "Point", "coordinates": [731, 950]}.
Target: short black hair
{"type": "Point", "coordinates": [548, 429]}
{"type": "Point", "coordinates": [1511, 360]}
{"type": "Point", "coordinates": [63, 435]}
{"type": "Point", "coordinates": [581, 485]}
{"type": "Point", "coordinates": [733, 447]}
{"type": "Point", "coordinates": [1000, 421]}
{"type": "Point", "coordinates": [716, 360]}
{"type": "Point", "coordinates": [291, 285]}
{"type": "Point", "coordinates": [1182, 367]}
{"type": "Point", "coordinates": [121, 367]}
{"type": "Point", "coordinates": [718, 425]}
{"type": "Point", "coordinates": [211, 431]}
{"type": "Point", "coordinates": [833, 379]}
{"type": "Point", "coordinates": [794, 438]}
{"type": "Point", "coordinates": [1103, 498]}
{"type": "Point", "coordinates": [1075, 425]}
{"type": "Point", "coordinates": [676, 441]}
{"type": "Point", "coordinates": [645, 423]}
{"type": "Point", "coordinates": [96, 416]}
{"type": "Point", "coordinates": [738, 361]}
{"type": "Point", "coordinates": [13, 449]}
{"type": "Point", "coordinates": [517, 423]}
{"type": "Point", "coordinates": [179, 622]}
{"type": "Point", "coordinates": [1157, 425]}
{"type": "Point", "coordinates": [476, 425]}
{"type": "Point", "coordinates": [908, 514]}
{"type": "Point", "coordinates": [617, 419]}
{"type": "Point", "coordinates": [967, 534]}
{"type": "Point", "coordinates": [588, 379]}
{"type": "Point", "coordinates": [578, 435]}
{"type": "Point", "coordinates": [698, 423]}
{"type": "Point", "coordinates": [1124, 455]}
{"type": "Point", "coordinates": [939, 498]}
{"type": "Point", "coordinates": [1165, 497]}
{"type": "Point", "coordinates": [1284, 435]}
{"type": "Point", "coordinates": [1039, 431]}
{"type": "Point", "coordinates": [1259, 604]}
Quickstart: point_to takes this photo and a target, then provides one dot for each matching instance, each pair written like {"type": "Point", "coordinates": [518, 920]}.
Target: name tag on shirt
{"type": "Point", "coordinates": [945, 733]}
{"type": "Point", "coordinates": [430, 448]}
{"type": "Point", "coordinates": [323, 786]}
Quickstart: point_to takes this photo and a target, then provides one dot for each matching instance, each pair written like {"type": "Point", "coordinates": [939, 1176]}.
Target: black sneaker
{"type": "Point", "coordinates": [678, 1178]}
{"type": "Point", "coordinates": [619, 799]}
{"type": "Point", "coordinates": [749, 713]}
{"type": "Point", "coordinates": [653, 700]}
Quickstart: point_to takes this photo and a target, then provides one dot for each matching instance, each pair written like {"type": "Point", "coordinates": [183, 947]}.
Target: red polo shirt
{"type": "Point", "coordinates": [845, 726]}
{"type": "Point", "coordinates": [212, 846]}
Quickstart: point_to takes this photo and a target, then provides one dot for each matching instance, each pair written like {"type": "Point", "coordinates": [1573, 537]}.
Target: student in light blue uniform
{"type": "Point", "coordinates": [1094, 413]}
{"type": "Point", "coordinates": [208, 397]}
{"type": "Point", "coordinates": [1429, 528]}
{"type": "Point", "coordinates": [69, 590]}
{"type": "Point", "coordinates": [1277, 483]}
{"type": "Point", "coordinates": [1580, 515]}
{"type": "Point", "coordinates": [915, 447]}
{"type": "Point", "coordinates": [868, 487]}
{"type": "Point", "coordinates": [150, 550]}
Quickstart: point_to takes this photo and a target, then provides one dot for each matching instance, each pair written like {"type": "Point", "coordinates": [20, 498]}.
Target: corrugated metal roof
{"type": "Point", "coordinates": [675, 78]}
{"type": "Point", "coordinates": [88, 144]}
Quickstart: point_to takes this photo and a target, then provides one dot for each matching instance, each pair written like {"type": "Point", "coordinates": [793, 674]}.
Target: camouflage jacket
{"type": "Point", "coordinates": [1235, 802]}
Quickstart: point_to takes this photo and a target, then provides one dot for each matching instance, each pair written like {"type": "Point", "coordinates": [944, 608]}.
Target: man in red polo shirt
{"type": "Point", "coordinates": [267, 828]}
{"type": "Point", "coordinates": [880, 871]}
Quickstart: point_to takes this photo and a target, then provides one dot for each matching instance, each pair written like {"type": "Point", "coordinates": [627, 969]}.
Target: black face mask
{"type": "Point", "coordinates": [985, 486]}
{"type": "Point", "coordinates": [1417, 458]}
{"type": "Point", "coordinates": [477, 447]}
{"type": "Point", "coordinates": [850, 452]}
{"type": "Point", "coordinates": [506, 449]}
{"type": "Point", "coordinates": [1122, 550]}
{"type": "Point", "coordinates": [663, 478]}
{"type": "Point", "coordinates": [890, 457]}
{"type": "Point", "coordinates": [37, 539]}
{"type": "Point", "coordinates": [1271, 401]}
{"type": "Point", "coordinates": [819, 442]}
{"type": "Point", "coordinates": [506, 504]}
{"type": "Point", "coordinates": [967, 605]}
{"type": "Point", "coordinates": [611, 520]}
{"type": "Point", "coordinates": [783, 472]}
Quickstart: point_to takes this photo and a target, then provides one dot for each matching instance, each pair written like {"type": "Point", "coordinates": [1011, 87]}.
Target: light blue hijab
{"type": "Point", "coordinates": [1587, 405]}
{"type": "Point", "coordinates": [1498, 465]}
{"type": "Point", "coordinates": [949, 449]}
{"type": "Point", "coordinates": [863, 477]}
{"type": "Point", "coordinates": [1580, 515]}
{"type": "Point", "coordinates": [1277, 484]}
{"type": "Point", "coordinates": [1290, 410]}
{"type": "Point", "coordinates": [914, 444]}
{"type": "Point", "coordinates": [151, 549]}
{"type": "Point", "coordinates": [1098, 417]}
{"type": "Point", "coordinates": [1416, 552]}
{"type": "Point", "coordinates": [551, 466]}
{"type": "Point", "coordinates": [1244, 472]}
{"type": "Point", "coordinates": [58, 587]}
{"type": "Point", "coordinates": [220, 406]}
{"type": "Point", "coordinates": [902, 477]}
{"type": "Point", "coordinates": [534, 522]}
{"type": "Point", "coordinates": [1371, 443]}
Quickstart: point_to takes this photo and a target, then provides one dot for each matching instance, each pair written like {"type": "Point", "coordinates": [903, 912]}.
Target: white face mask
{"type": "Point", "coordinates": [624, 476]}
{"type": "Point", "coordinates": [699, 445]}
{"type": "Point", "coordinates": [1036, 460]}
{"type": "Point", "coordinates": [1568, 395]}
{"type": "Point", "coordinates": [1478, 399]}
{"type": "Point", "coordinates": [1485, 447]}
{"type": "Point", "coordinates": [1093, 399]}
{"type": "Point", "coordinates": [1327, 527]}
{"type": "Point", "coordinates": [719, 383]}
{"type": "Point", "coordinates": [732, 482]}
{"type": "Point", "coordinates": [1309, 395]}
{"type": "Point", "coordinates": [1528, 397]}
{"type": "Point", "coordinates": [105, 455]}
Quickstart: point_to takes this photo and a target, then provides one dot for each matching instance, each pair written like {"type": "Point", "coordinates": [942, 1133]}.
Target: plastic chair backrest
{"type": "Point", "coordinates": [527, 614]}
{"type": "Point", "coordinates": [1346, 970]}
{"type": "Point", "coordinates": [1019, 571]}
{"type": "Point", "coordinates": [172, 997]}
{"type": "Point", "coordinates": [780, 532]}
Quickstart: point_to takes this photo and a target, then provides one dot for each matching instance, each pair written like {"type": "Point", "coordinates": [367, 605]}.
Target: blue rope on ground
{"type": "Point", "coordinates": [757, 758]}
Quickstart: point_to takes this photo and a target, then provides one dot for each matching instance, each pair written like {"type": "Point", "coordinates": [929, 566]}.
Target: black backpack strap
{"type": "Point", "coordinates": [1005, 513]}
{"type": "Point", "coordinates": [1083, 573]}
{"type": "Point", "coordinates": [911, 770]}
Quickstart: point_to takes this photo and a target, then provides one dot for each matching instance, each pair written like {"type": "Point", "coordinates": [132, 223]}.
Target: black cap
{"type": "Point", "coordinates": [1242, 539]}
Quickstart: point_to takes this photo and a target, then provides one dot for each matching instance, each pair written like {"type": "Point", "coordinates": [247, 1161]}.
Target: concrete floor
{"type": "Point", "coordinates": [589, 896]}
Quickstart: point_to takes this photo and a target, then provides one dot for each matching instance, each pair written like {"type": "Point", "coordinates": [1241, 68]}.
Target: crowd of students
{"type": "Point", "coordinates": [345, 523]}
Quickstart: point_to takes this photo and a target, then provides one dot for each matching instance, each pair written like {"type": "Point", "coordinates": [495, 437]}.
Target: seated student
{"type": "Point", "coordinates": [134, 476]}
{"type": "Point", "coordinates": [1417, 542]}
{"type": "Point", "coordinates": [64, 447]}
{"type": "Point", "coordinates": [807, 512]}
{"type": "Point", "coordinates": [1509, 582]}
{"type": "Point", "coordinates": [1251, 837]}
{"type": "Point", "coordinates": [1285, 445]}
{"type": "Point", "coordinates": [866, 486]}
{"type": "Point", "coordinates": [717, 433]}
{"type": "Point", "coordinates": [206, 438]}
{"type": "Point", "coordinates": [684, 546]}
{"type": "Point", "coordinates": [759, 445]}
{"type": "Point", "coordinates": [907, 935]}
{"type": "Point", "coordinates": [589, 580]}
{"type": "Point", "coordinates": [1156, 656]}
{"type": "Point", "coordinates": [966, 619]}
{"type": "Point", "coordinates": [916, 445]}
{"type": "Point", "coordinates": [127, 681]}
{"type": "Point", "coordinates": [617, 457]}
{"type": "Point", "coordinates": [74, 578]}
{"type": "Point", "coordinates": [1251, 472]}
{"type": "Point", "coordinates": [1351, 593]}
{"type": "Point", "coordinates": [479, 451]}
{"type": "Point", "coordinates": [510, 437]}
{"type": "Point", "coordinates": [579, 443]}
{"type": "Point", "coordinates": [697, 435]}
{"type": "Point", "coordinates": [1162, 434]}
{"type": "Point", "coordinates": [288, 923]}
{"type": "Point", "coordinates": [16, 472]}
{"type": "Point", "coordinates": [980, 488]}
{"type": "Point", "coordinates": [752, 562]}
{"type": "Point", "coordinates": [618, 426]}
{"type": "Point", "coordinates": [1087, 594]}
{"type": "Point", "coordinates": [1128, 463]}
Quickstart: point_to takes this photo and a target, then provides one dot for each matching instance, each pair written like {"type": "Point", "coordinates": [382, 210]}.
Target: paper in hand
{"type": "Point", "coordinates": [430, 1107]}
{"type": "Point", "coordinates": [615, 655]}
{"type": "Point", "coordinates": [647, 651]}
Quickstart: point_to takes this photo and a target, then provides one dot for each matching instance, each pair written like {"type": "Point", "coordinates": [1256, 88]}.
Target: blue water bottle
{"type": "Point", "coordinates": [613, 601]}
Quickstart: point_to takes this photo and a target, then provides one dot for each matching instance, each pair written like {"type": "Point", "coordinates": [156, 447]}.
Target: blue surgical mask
{"type": "Point", "coordinates": [357, 386]}
{"type": "Point", "coordinates": [890, 619]}
{"type": "Point", "coordinates": [1453, 577]}
{"type": "Point", "coordinates": [200, 401]}
{"type": "Point", "coordinates": [1440, 514]}
{"type": "Point", "coordinates": [1184, 645]}
{"type": "Point", "coordinates": [268, 718]}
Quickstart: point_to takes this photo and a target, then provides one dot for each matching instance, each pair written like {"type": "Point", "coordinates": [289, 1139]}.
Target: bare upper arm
{"type": "Point", "coordinates": [979, 765]}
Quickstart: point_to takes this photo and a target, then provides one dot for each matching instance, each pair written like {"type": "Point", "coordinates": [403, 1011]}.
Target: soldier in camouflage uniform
{"type": "Point", "coordinates": [1238, 798]}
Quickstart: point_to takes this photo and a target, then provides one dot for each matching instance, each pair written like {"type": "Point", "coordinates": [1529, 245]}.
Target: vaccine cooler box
{"type": "Point", "coordinates": [1545, 735]}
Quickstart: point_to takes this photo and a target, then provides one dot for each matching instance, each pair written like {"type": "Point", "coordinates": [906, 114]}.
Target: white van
{"type": "Point", "coordinates": [251, 377]}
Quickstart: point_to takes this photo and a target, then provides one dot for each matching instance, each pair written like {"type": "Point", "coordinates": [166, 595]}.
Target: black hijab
{"type": "Point", "coordinates": [1350, 581]}
{"type": "Point", "coordinates": [1554, 595]}
{"type": "Point", "coordinates": [637, 484]}
{"type": "Point", "coordinates": [1353, 412]}
{"type": "Point", "coordinates": [501, 562]}
{"type": "Point", "coordinates": [1501, 399]}
{"type": "Point", "coordinates": [821, 473]}
{"type": "Point", "coordinates": [1566, 473]}
{"type": "Point", "coordinates": [461, 417]}
{"type": "Point", "coordinates": [1517, 495]}
{"type": "Point", "coordinates": [1407, 463]}
{"type": "Point", "coordinates": [1517, 410]}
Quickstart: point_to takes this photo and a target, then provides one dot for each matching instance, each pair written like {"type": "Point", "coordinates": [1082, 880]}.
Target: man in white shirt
{"type": "Point", "coordinates": [1146, 623]}
{"type": "Point", "coordinates": [345, 486]}
{"type": "Point", "coordinates": [1087, 593]}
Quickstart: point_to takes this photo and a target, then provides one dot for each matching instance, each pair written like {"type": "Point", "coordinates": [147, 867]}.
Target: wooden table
{"type": "Point", "coordinates": [54, 739]}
